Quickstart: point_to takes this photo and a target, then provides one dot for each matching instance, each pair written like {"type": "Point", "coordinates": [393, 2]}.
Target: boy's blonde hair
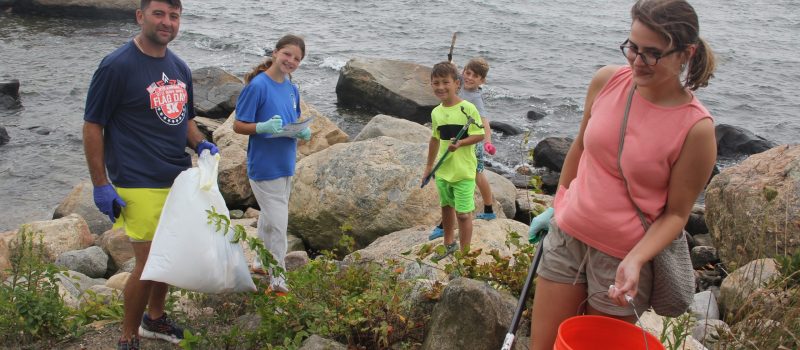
{"type": "Point", "coordinates": [478, 66]}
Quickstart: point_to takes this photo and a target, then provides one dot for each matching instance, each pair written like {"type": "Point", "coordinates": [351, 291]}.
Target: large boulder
{"type": "Point", "coordinates": [101, 9]}
{"type": "Point", "coordinates": [753, 208]}
{"type": "Point", "coordinates": [5, 252]}
{"type": "Point", "coordinates": [364, 189]}
{"type": "Point", "coordinates": [215, 92]}
{"type": "Point", "coordinates": [401, 129]}
{"type": "Point", "coordinates": [91, 261]}
{"type": "Point", "coordinates": [117, 245]}
{"type": "Point", "coordinates": [387, 86]}
{"type": "Point", "coordinates": [81, 201]}
{"type": "Point", "coordinates": [470, 315]}
{"type": "Point", "coordinates": [233, 181]}
{"type": "Point", "coordinates": [9, 95]}
{"type": "Point", "coordinates": [62, 235]}
{"type": "Point", "coordinates": [733, 141]}
{"type": "Point", "coordinates": [551, 152]}
{"type": "Point", "coordinates": [486, 236]}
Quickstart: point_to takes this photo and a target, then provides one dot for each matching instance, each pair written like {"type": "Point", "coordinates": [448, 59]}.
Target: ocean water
{"type": "Point", "coordinates": [542, 55]}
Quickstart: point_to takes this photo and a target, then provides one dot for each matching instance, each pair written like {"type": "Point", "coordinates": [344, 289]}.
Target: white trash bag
{"type": "Point", "coordinates": [187, 251]}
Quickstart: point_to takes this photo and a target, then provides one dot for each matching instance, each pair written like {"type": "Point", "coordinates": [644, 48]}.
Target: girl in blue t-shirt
{"type": "Point", "coordinates": [269, 101]}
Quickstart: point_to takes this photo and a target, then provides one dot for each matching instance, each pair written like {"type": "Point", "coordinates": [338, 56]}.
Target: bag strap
{"type": "Point", "coordinates": [619, 157]}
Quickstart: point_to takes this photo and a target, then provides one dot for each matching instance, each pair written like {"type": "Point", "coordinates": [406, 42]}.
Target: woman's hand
{"type": "Point", "coordinates": [626, 282]}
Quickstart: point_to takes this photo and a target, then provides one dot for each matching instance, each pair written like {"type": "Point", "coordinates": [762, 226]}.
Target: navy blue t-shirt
{"type": "Point", "coordinates": [144, 104]}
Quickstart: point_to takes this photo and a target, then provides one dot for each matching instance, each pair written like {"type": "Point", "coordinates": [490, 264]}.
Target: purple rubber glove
{"type": "Point", "coordinates": [489, 148]}
{"type": "Point", "coordinates": [108, 201]}
{"type": "Point", "coordinates": [207, 145]}
{"type": "Point", "coordinates": [304, 134]}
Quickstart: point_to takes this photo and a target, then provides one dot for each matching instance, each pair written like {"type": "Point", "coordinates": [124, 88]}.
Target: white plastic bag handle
{"type": "Point", "coordinates": [209, 167]}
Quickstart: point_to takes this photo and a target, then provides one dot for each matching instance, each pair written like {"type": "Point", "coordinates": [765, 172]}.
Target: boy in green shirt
{"type": "Point", "coordinates": [455, 178]}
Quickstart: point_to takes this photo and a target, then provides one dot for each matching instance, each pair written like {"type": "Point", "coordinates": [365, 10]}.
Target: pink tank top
{"type": "Point", "coordinates": [596, 208]}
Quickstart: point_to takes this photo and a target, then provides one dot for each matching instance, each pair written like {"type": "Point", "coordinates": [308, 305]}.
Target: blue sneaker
{"type": "Point", "coordinates": [437, 232]}
{"type": "Point", "coordinates": [486, 216]}
{"type": "Point", "coordinates": [161, 328]}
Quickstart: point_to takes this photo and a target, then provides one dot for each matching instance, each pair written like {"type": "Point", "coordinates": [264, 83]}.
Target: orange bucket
{"type": "Point", "coordinates": [600, 332]}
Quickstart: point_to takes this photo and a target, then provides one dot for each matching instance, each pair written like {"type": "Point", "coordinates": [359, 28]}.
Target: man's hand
{"type": "Point", "coordinates": [539, 224]}
{"type": "Point", "coordinates": [304, 134]}
{"type": "Point", "coordinates": [489, 148]}
{"type": "Point", "coordinates": [272, 126]}
{"type": "Point", "coordinates": [108, 201]}
{"type": "Point", "coordinates": [207, 145]}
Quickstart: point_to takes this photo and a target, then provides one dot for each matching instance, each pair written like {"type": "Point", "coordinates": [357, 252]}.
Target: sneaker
{"type": "Point", "coordinates": [161, 328]}
{"type": "Point", "coordinates": [448, 249]}
{"type": "Point", "coordinates": [437, 232]}
{"type": "Point", "coordinates": [486, 216]}
{"type": "Point", "coordinates": [128, 344]}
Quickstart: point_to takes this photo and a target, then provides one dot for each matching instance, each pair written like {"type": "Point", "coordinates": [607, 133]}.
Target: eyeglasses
{"type": "Point", "coordinates": [649, 58]}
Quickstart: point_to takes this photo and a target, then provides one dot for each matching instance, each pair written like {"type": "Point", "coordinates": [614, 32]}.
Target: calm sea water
{"type": "Point", "coordinates": [542, 55]}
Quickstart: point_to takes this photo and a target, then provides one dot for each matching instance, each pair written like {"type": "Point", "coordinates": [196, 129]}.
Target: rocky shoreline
{"type": "Point", "coordinates": [368, 188]}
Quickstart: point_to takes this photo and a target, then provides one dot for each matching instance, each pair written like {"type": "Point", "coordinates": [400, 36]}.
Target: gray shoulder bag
{"type": "Point", "coordinates": [673, 275]}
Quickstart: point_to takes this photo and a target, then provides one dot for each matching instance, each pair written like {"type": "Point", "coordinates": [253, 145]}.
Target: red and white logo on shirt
{"type": "Point", "coordinates": [168, 98]}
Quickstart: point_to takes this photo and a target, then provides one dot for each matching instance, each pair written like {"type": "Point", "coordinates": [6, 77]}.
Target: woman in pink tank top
{"type": "Point", "coordinates": [669, 153]}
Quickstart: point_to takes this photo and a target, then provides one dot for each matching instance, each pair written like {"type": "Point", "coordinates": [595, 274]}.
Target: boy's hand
{"type": "Point", "coordinates": [454, 145]}
{"type": "Point", "coordinates": [489, 148]}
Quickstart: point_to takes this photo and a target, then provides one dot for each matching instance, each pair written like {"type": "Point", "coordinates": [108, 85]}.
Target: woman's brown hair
{"type": "Point", "coordinates": [677, 22]}
{"type": "Point", "coordinates": [286, 40]}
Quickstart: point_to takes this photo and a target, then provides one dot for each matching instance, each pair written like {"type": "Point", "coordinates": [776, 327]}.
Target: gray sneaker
{"type": "Point", "coordinates": [448, 249]}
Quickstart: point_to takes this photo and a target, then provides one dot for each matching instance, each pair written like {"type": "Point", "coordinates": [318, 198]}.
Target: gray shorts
{"type": "Point", "coordinates": [570, 261]}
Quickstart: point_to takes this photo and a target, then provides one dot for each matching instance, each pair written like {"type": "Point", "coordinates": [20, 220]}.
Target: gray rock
{"type": "Point", "coordinates": [295, 244]}
{"type": "Point", "coordinates": [249, 322]}
{"type": "Point", "coordinates": [127, 266]}
{"type": "Point", "coordinates": [100, 9]}
{"type": "Point", "coordinates": [536, 115]}
{"type": "Point", "coordinates": [737, 288]}
{"type": "Point", "coordinates": [4, 138]}
{"type": "Point", "coordinates": [505, 128]}
{"type": "Point", "coordinates": [401, 129]}
{"type": "Point", "coordinates": [9, 94]}
{"type": "Point", "coordinates": [81, 201]}
{"type": "Point", "coordinates": [315, 342]}
{"type": "Point", "coordinates": [73, 284]}
{"type": "Point", "coordinates": [91, 261]}
{"type": "Point", "coordinates": [236, 214]}
{"type": "Point", "coordinates": [295, 260]}
{"type": "Point", "coordinates": [733, 141]}
{"type": "Point", "coordinates": [707, 331]}
{"type": "Point", "coordinates": [703, 255]}
{"type": "Point", "coordinates": [697, 221]}
{"type": "Point", "coordinates": [703, 240]}
{"type": "Point", "coordinates": [705, 306]}
{"type": "Point", "coordinates": [469, 315]}
{"type": "Point", "coordinates": [551, 152]}
{"type": "Point", "coordinates": [215, 92]}
{"type": "Point", "coordinates": [387, 86]}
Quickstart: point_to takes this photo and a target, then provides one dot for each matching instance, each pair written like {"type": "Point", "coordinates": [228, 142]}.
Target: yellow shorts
{"type": "Point", "coordinates": [139, 216]}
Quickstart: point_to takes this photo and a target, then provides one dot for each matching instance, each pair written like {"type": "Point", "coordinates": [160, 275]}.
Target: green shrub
{"type": "Point", "coordinates": [30, 304]}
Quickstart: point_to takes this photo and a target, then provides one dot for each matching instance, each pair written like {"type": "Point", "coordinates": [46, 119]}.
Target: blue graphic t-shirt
{"type": "Point", "coordinates": [144, 104]}
{"type": "Point", "coordinates": [269, 158]}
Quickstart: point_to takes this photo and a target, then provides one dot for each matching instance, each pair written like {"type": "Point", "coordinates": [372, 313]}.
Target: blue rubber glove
{"type": "Point", "coordinates": [304, 134]}
{"type": "Point", "coordinates": [539, 225]}
{"type": "Point", "coordinates": [207, 145]}
{"type": "Point", "coordinates": [108, 201]}
{"type": "Point", "coordinates": [272, 126]}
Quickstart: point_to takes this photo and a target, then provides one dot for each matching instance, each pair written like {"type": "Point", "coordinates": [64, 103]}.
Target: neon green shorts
{"type": "Point", "coordinates": [459, 195]}
{"type": "Point", "coordinates": [139, 216]}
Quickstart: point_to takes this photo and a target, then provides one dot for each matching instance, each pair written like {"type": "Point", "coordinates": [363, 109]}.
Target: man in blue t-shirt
{"type": "Point", "coordinates": [137, 124]}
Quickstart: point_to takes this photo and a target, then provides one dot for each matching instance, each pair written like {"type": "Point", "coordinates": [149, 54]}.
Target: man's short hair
{"type": "Point", "coordinates": [444, 69]}
{"type": "Point", "coordinates": [172, 3]}
{"type": "Point", "coordinates": [478, 66]}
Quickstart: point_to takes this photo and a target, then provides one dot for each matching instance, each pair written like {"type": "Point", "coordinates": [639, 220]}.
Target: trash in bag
{"type": "Point", "coordinates": [187, 251]}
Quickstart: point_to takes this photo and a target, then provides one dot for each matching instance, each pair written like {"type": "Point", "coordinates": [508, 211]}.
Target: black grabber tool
{"type": "Point", "coordinates": [523, 296]}
{"type": "Point", "coordinates": [452, 45]}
